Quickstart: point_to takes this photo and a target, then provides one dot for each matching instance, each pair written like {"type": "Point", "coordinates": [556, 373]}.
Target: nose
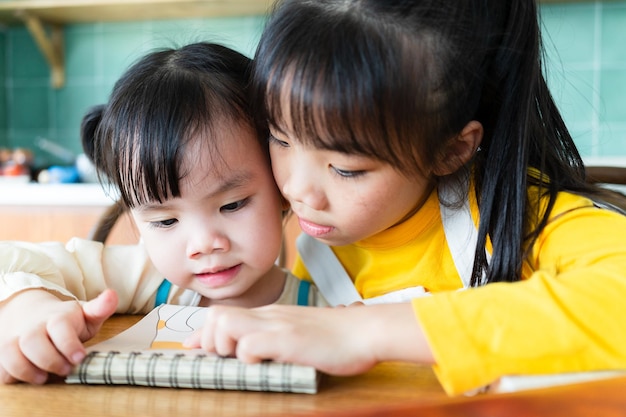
{"type": "Point", "coordinates": [299, 184]}
{"type": "Point", "coordinates": [205, 241]}
{"type": "Point", "coordinates": [303, 190]}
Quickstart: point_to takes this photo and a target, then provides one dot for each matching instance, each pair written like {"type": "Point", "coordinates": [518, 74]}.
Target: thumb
{"type": "Point", "coordinates": [99, 309]}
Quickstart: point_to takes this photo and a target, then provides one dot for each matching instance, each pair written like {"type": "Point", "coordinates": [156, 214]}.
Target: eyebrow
{"type": "Point", "coordinates": [233, 181]}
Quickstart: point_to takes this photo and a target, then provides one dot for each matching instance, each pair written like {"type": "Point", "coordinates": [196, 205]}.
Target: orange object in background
{"type": "Point", "coordinates": [15, 163]}
{"type": "Point", "coordinates": [13, 169]}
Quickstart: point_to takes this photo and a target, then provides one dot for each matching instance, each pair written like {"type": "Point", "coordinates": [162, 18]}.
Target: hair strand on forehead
{"type": "Point", "coordinates": [162, 105]}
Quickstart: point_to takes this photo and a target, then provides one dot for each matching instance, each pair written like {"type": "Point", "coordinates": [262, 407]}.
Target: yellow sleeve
{"type": "Point", "coordinates": [80, 270]}
{"type": "Point", "coordinates": [566, 315]}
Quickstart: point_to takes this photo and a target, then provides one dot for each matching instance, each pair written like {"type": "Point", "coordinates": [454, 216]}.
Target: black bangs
{"type": "Point", "coordinates": [153, 164]}
{"type": "Point", "coordinates": [305, 84]}
{"type": "Point", "coordinates": [323, 104]}
{"type": "Point", "coordinates": [168, 101]}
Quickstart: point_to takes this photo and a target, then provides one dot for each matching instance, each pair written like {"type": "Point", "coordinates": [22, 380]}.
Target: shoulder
{"type": "Point", "coordinates": [570, 207]}
{"type": "Point", "coordinates": [582, 230]}
{"type": "Point", "coordinates": [573, 205]}
{"type": "Point", "coordinates": [565, 202]}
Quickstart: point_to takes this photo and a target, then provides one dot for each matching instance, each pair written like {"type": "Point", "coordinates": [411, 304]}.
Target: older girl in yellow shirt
{"type": "Point", "coordinates": [419, 146]}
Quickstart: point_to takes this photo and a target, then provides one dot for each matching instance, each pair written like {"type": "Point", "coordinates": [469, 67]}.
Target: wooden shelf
{"type": "Point", "coordinates": [45, 19]}
{"type": "Point", "coordinates": [61, 12]}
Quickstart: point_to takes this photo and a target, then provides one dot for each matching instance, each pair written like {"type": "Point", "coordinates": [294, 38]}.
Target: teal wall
{"type": "Point", "coordinates": [95, 57]}
{"type": "Point", "coordinates": [585, 65]}
{"type": "Point", "coordinates": [586, 70]}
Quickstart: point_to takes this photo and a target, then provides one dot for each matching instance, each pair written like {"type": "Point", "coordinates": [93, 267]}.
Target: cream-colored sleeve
{"type": "Point", "coordinates": [566, 316]}
{"type": "Point", "coordinates": [80, 269]}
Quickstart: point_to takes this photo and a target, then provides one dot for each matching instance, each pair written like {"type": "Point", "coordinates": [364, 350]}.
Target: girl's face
{"type": "Point", "coordinates": [222, 236]}
{"type": "Point", "coordinates": [342, 198]}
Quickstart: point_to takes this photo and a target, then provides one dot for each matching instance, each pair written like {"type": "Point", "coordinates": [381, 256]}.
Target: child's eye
{"type": "Point", "coordinates": [274, 140]}
{"type": "Point", "coordinates": [348, 173]}
{"type": "Point", "coordinates": [164, 224]}
{"type": "Point", "coordinates": [237, 205]}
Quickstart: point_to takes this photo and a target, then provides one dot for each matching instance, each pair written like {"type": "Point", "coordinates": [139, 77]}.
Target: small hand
{"type": "Point", "coordinates": [339, 341]}
{"type": "Point", "coordinates": [47, 338]}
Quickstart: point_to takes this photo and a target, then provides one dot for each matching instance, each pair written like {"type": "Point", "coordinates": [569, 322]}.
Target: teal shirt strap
{"type": "Point", "coordinates": [303, 293]}
{"type": "Point", "coordinates": [162, 293]}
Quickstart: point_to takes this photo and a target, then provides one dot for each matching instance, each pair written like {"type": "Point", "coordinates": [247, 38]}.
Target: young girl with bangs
{"type": "Point", "coordinates": [179, 143]}
{"type": "Point", "coordinates": [433, 177]}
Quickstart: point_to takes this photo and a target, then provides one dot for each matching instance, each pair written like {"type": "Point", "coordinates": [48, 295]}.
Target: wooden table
{"type": "Point", "coordinates": [390, 389]}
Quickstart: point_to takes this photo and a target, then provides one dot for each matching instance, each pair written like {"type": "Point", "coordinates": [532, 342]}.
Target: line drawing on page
{"type": "Point", "coordinates": [175, 324]}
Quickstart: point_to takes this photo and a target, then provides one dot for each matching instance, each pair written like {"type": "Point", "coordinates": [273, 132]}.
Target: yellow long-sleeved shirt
{"type": "Point", "coordinates": [565, 315]}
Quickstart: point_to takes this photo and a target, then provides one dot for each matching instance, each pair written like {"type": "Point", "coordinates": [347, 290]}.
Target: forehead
{"type": "Point", "coordinates": [233, 156]}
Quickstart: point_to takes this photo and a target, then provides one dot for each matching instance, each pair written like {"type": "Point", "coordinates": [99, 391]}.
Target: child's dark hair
{"type": "Point", "coordinates": [396, 80]}
{"type": "Point", "coordinates": [163, 102]}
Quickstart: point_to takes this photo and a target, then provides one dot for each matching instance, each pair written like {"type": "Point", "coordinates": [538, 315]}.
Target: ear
{"type": "Point", "coordinates": [460, 149]}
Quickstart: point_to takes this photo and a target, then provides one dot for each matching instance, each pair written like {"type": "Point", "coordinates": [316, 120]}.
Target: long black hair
{"type": "Point", "coordinates": [163, 102]}
{"type": "Point", "coordinates": [397, 80]}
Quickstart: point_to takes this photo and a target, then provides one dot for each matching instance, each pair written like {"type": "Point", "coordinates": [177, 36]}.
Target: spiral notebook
{"type": "Point", "coordinates": [151, 353]}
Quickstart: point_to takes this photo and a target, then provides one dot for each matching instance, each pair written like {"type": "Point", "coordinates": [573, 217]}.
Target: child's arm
{"type": "Point", "coordinates": [42, 335]}
{"type": "Point", "coordinates": [339, 341]}
{"type": "Point", "coordinates": [42, 319]}
{"type": "Point", "coordinates": [80, 270]}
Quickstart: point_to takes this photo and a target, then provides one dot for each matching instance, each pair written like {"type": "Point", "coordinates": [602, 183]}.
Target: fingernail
{"type": "Point", "coordinates": [189, 342]}
{"type": "Point", "coordinates": [77, 357]}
